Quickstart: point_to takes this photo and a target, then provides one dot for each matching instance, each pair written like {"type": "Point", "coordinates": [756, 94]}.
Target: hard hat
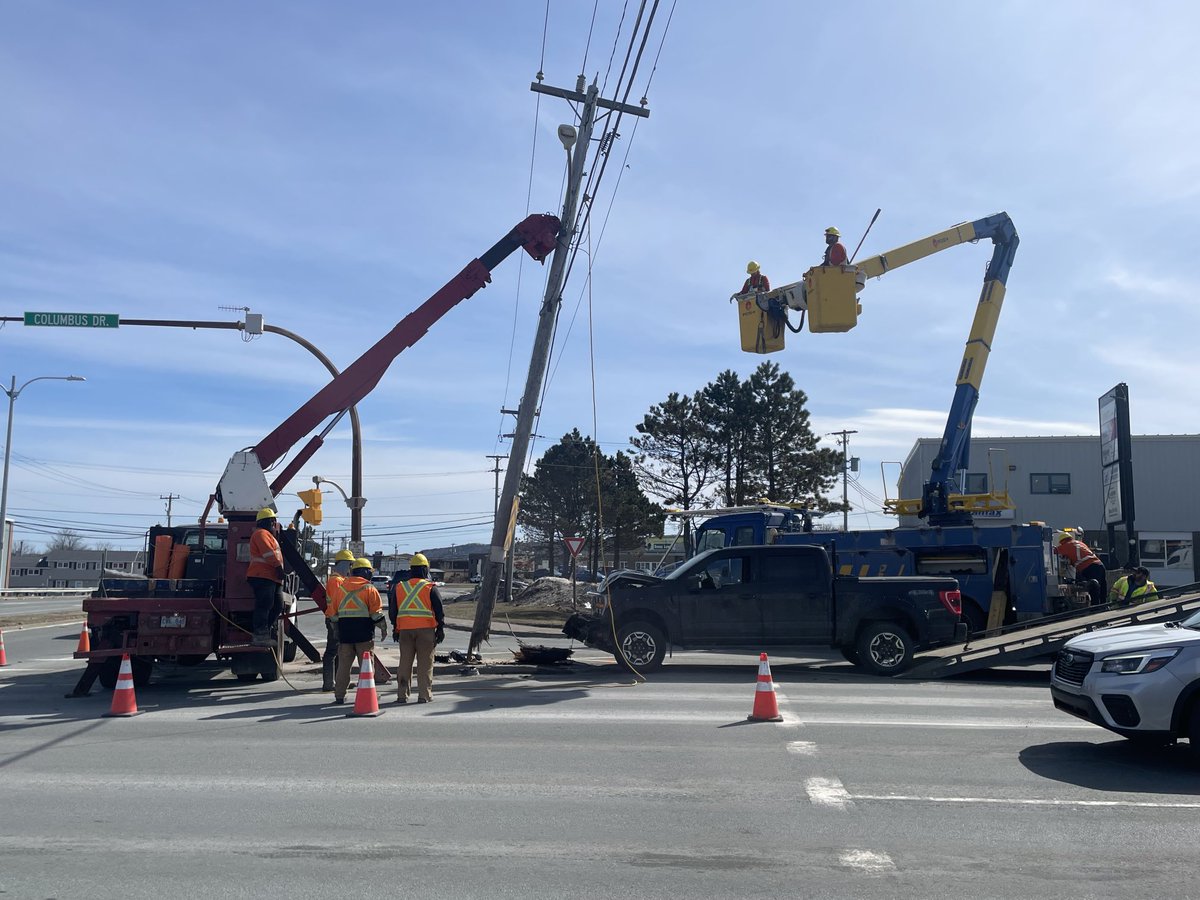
{"type": "Point", "coordinates": [418, 559]}
{"type": "Point", "coordinates": [362, 563]}
{"type": "Point", "coordinates": [265, 513]}
{"type": "Point", "coordinates": [751, 267]}
{"type": "Point", "coordinates": [343, 555]}
{"type": "Point", "coordinates": [1063, 536]}
{"type": "Point", "coordinates": [833, 231]}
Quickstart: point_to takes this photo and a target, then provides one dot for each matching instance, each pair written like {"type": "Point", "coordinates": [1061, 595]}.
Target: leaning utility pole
{"type": "Point", "coordinates": [577, 145]}
{"type": "Point", "coordinates": [845, 436]}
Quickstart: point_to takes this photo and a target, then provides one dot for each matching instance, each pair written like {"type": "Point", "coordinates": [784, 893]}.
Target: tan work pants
{"type": "Point", "coordinates": [347, 654]}
{"type": "Point", "coordinates": [416, 643]}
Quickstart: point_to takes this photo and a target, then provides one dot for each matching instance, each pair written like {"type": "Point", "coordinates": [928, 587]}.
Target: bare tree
{"type": "Point", "coordinates": [66, 539]}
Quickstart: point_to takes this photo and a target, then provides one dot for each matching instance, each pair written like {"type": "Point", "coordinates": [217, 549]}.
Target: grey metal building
{"type": "Point", "coordinates": [1056, 480]}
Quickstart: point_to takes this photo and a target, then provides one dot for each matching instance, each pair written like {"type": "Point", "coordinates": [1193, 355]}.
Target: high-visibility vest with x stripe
{"type": "Point", "coordinates": [414, 608]}
{"type": "Point", "coordinates": [351, 605]}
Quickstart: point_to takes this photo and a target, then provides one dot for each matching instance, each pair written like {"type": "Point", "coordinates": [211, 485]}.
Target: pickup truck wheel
{"type": "Point", "coordinates": [642, 644]}
{"type": "Point", "coordinates": [884, 648]}
{"type": "Point", "coordinates": [851, 656]}
{"type": "Point", "coordinates": [142, 670]}
{"type": "Point", "coordinates": [1193, 726]}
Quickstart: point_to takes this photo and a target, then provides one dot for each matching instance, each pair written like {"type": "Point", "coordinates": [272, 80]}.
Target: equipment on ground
{"type": "Point", "coordinates": [195, 601]}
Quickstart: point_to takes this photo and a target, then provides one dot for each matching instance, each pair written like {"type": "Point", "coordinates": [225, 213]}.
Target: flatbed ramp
{"type": "Point", "coordinates": [1028, 641]}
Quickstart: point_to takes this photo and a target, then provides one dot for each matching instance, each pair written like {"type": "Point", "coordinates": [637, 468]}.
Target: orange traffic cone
{"type": "Point", "coordinates": [123, 701]}
{"type": "Point", "coordinates": [3, 657]}
{"type": "Point", "coordinates": [85, 641]}
{"type": "Point", "coordinates": [366, 700]}
{"type": "Point", "coordinates": [766, 707]}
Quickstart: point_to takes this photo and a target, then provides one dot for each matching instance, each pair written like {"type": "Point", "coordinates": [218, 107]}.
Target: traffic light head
{"type": "Point", "coordinates": [312, 506]}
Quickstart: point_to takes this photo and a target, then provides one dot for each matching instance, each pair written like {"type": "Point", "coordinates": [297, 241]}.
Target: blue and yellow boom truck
{"type": "Point", "coordinates": [195, 602]}
{"type": "Point", "coordinates": [1006, 573]}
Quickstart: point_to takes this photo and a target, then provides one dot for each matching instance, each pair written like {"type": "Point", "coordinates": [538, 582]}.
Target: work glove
{"type": "Point", "coordinates": [395, 637]}
{"type": "Point", "coordinates": [439, 635]}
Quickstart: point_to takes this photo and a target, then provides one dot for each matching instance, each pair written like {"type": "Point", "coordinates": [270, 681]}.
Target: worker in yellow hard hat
{"type": "Point", "coordinates": [356, 611]}
{"type": "Point", "coordinates": [342, 562]}
{"type": "Point", "coordinates": [757, 282]}
{"type": "Point", "coordinates": [265, 576]}
{"type": "Point", "coordinates": [1089, 571]}
{"type": "Point", "coordinates": [418, 626]}
{"type": "Point", "coordinates": [835, 253]}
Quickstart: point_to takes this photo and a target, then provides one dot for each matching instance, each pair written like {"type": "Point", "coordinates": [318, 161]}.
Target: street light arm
{"type": "Point", "coordinates": [14, 393]}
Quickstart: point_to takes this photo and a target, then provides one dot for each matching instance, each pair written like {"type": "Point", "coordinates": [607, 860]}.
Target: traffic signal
{"type": "Point", "coordinates": [312, 506]}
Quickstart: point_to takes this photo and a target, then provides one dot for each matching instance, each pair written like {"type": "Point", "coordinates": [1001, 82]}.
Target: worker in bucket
{"type": "Point", "coordinates": [356, 610]}
{"type": "Point", "coordinates": [1136, 587]}
{"type": "Point", "coordinates": [1088, 568]}
{"type": "Point", "coordinates": [265, 575]}
{"type": "Point", "coordinates": [757, 283]}
{"type": "Point", "coordinates": [418, 625]}
{"type": "Point", "coordinates": [342, 562]}
{"type": "Point", "coordinates": [835, 253]}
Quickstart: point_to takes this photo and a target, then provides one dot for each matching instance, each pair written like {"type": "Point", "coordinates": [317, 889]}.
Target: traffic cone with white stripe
{"type": "Point", "coordinates": [766, 707]}
{"type": "Point", "coordinates": [366, 699]}
{"type": "Point", "coordinates": [123, 702]}
{"type": "Point", "coordinates": [85, 641]}
{"type": "Point", "coordinates": [3, 656]}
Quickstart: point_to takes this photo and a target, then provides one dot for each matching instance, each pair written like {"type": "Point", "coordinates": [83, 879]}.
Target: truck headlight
{"type": "Point", "coordinates": [1138, 663]}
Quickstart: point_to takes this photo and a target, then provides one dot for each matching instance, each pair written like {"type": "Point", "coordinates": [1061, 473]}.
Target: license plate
{"type": "Point", "coordinates": [173, 622]}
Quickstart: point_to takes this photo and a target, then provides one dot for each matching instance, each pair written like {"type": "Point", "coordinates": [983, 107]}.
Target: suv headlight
{"type": "Point", "coordinates": [1138, 663]}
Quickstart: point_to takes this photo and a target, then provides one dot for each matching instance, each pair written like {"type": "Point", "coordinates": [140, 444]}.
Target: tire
{"type": "Point", "coordinates": [1193, 726]}
{"type": "Point", "coordinates": [643, 645]}
{"type": "Point", "coordinates": [246, 676]}
{"type": "Point", "coordinates": [109, 669]}
{"type": "Point", "coordinates": [142, 670]}
{"type": "Point", "coordinates": [851, 656]}
{"type": "Point", "coordinates": [289, 652]}
{"type": "Point", "coordinates": [975, 617]}
{"type": "Point", "coordinates": [884, 648]}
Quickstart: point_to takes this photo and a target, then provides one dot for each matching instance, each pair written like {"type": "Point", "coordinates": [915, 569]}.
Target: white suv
{"type": "Point", "coordinates": [1141, 681]}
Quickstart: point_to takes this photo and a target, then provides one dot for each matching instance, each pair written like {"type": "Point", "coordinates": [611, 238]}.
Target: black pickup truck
{"type": "Point", "coordinates": [759, 598]}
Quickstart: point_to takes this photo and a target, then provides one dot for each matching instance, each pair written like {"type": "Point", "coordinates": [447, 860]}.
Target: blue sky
{"type": "Point", "coordinates": [330, 166]}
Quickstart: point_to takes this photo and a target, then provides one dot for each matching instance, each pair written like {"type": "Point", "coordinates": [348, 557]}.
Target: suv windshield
{"type": "Point", "coordinates": [1192, 621]}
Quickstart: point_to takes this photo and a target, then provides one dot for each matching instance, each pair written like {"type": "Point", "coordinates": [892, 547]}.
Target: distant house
{"type": "Point", "coordinates": [71, 568]}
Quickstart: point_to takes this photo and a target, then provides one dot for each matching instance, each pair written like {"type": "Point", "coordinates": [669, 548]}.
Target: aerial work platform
{"type": "Point", "coordinates": [1042, 638]}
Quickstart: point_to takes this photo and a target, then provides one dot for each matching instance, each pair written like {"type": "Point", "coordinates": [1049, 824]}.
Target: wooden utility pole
{"type": "Point", "coordinates": [845, 436]}
{"type": "Point", "coordinates": [577, 144]}
{"type": "Point", "coordinates": [168, 498]}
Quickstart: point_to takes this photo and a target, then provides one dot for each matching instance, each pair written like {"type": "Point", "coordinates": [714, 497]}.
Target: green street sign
{"type": "Point", "coordinates": [73, 320]}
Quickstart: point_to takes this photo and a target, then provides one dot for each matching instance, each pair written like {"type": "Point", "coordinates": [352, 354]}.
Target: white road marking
{"type": "Point", "coordinates": [16, 628]}
{"type": "Point", "coordinates": [929, 722]}
{"type": "Point", "coordinates": [790, 720]}
{"type": "Point", "coordinates": [828, 792]}
{"type": "Point", "coordinates": [1028, 801]}
{"type": "Point", "coordinates": [802, 748]}
{"type": "Point", "coordinates": [867, 861]}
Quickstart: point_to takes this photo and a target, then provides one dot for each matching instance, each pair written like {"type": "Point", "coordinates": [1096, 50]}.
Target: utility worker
{"type": "Point", "coordinates": [343, 560]}
{"type": "Point", "coordinates": [418, 625]}
{"type": "Point", "coordinates": [356, 609]}
{"type": "Point", "coordinates": [757, 283]}
{"type": "Point", "coordinates": [1087, 565]}
{"type": "Point", "coordinates": [1136, 587]}
{"type": "Point", "coordinates": [835, 253]}
{"type": "Point", "coordinates": [265, 575]}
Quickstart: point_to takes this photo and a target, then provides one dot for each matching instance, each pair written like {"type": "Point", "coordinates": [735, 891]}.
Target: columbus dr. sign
{"type": "Point", "coordinates": [73, 319]}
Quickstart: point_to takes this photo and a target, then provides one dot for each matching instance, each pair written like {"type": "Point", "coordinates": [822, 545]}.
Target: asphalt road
{"type": "Point", "coordinates": [579, 783]}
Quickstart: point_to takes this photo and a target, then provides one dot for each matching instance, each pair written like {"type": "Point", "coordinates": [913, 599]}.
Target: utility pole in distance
{"type": "Point", "coordinates": [496, 472]}
{"type": "Point", "coordinates": [168, 498]}
{"type": "Point", "coordinates": [845, 436]}
{"type": "Point", "coordinates": [577, 145]}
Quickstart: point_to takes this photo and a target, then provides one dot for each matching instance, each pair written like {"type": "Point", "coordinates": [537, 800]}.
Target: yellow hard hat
{"type": "Point", "coordinates": [833, 231]}
{"type": "Point", "coordinates": [751, 267]}
{"type": "Point", "coordinates": [1064, 536]}
{"type": "Point", "coordinates": [418, 559]}
{"type": "Point", "coordinates": [343, 555]}
{"type": "Point", "coordinates": [265, 513]}
{"type": "Point", "coordinates": [362, 563]}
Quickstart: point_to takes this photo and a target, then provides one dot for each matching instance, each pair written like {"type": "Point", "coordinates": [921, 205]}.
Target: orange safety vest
{"type": "Point", "coordinates": [1077, 553]}
{"type": "Point", "coordinates": [758, 282]}
{"type": "Point", "coordinates": [266, 559]}
{"type": "Point", "coordinates": [414, 609]}
{"type": "Point", "coordinates": [333, 592]}
{"type": "Point", "coordinates": [357, 601]}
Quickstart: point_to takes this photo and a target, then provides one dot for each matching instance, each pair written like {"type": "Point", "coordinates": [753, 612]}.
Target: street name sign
{"type": "Point", "coordinates": [73, 319]}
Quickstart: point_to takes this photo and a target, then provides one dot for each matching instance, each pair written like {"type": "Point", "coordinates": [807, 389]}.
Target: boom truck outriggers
{"type": "Point", "coordinates": [1005, 573]}
{"type": "Point", "coordinates": [206, 609]}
